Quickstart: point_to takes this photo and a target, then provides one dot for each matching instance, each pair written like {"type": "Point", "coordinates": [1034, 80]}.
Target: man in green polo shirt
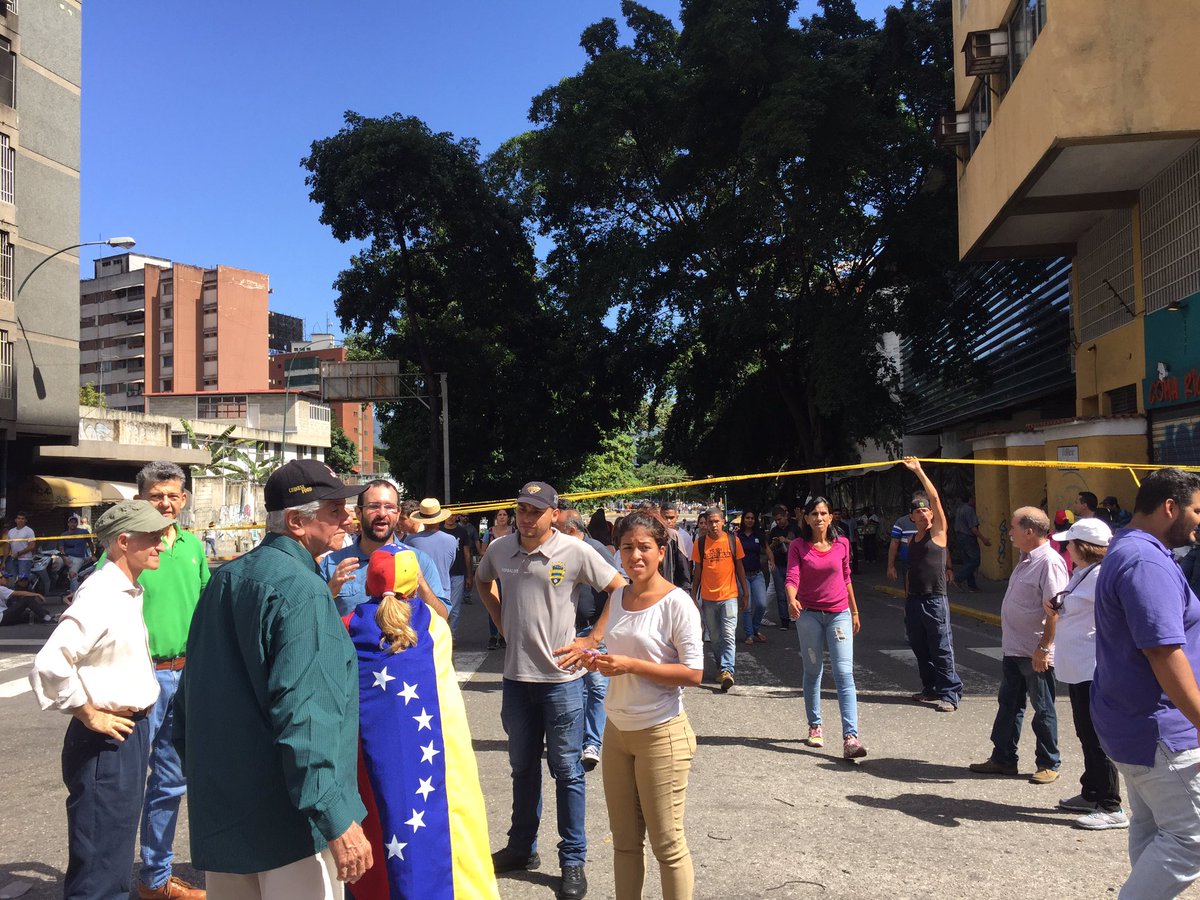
{"type": "Point", "coordinates": [170, 595]}
{"type": "Point", "coordinates": [267, 722]}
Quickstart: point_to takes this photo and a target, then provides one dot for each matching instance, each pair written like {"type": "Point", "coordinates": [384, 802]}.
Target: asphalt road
{"type": "Point", "coordinates": [767, 816]}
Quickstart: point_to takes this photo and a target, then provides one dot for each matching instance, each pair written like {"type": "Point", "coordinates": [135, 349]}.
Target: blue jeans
{"type": "Point", "coordinates": [534, 714]}
{"type": "Point", "coordinates": [927, 623]}
{"type": "Point", "coordinates": [595, 689]}
{"type": "Point", "coordinates": [968, 547]}
{"type": "Point", "coordinates": [1164, 830]}
{"type": "Point", "coordinates": [456, 598]}
{"type": "Point", "coordinates": [721, 618]}
{"type": "Point", "coordinates": [25, 568]}
{"type": "Point", "coordinates": [779, 580]}
{"type": "Point", "coordinates": [752, 617]}
{"type": "Point", "coordinates": [164, 788]}
{"type": "Point", "coordinates": [818, 632]}
{"type": "Point", "coordinates": [105, 779]}
{"type": "Point", "coordinates": [1019, 682]}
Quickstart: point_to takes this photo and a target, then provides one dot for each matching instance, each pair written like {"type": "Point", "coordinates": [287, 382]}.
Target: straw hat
{"type": "Point", "coordinates": [430, 512]}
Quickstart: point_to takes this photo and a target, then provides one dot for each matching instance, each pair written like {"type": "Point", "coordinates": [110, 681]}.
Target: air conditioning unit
{"type": "Point", "coordinates": [953, 128]}
{"type": "Point", "coordinates": [986, 51]}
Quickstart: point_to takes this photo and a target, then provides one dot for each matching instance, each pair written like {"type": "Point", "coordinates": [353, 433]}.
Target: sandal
{"type": "Point", "coordinates": [760, 638]}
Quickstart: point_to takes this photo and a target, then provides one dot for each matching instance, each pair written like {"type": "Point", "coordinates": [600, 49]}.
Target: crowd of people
{"type": "Point", "coordinates": [304, 695]}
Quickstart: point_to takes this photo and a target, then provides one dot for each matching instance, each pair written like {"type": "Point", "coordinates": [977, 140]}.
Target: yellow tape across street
{"type": "Point", "coordinates": [1131, 468]}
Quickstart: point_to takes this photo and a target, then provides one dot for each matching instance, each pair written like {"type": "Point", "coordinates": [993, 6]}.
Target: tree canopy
{"type": "Point", "coordinates": [737, 208]}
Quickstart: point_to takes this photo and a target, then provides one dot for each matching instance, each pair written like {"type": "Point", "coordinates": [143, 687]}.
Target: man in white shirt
{"type": "Point", "coordinates": [21, 544]}
{"type": "Point", "coordinates": [19, 607]}
{"type": "Point", "coordinates": [96, 667]}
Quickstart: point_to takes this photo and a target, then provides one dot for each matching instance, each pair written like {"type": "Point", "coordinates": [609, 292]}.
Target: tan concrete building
{"type": "Point", "coordinates": [1078, 135]}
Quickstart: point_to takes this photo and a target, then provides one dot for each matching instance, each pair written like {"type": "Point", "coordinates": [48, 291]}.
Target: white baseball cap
{"type": "Point", "coordinates": [1090, 531]}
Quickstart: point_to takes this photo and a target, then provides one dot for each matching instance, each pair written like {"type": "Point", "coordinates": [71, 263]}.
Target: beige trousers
{"type": "Point", "coordinates": [645, 787]}
{"type": "Point", "coordinates": [311, 878]}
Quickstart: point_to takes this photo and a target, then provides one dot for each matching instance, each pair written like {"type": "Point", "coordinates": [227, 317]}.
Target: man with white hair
{"type": "Point", "coordinates": [1027, 639]}
{"type": "Point", "coordinates": [268, 723]}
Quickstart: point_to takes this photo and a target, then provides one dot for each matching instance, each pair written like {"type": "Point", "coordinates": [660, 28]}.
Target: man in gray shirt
{"type": "Point", "coordinates": [537, 569]}
{"type": "Point", "coordinates": [968, 539]}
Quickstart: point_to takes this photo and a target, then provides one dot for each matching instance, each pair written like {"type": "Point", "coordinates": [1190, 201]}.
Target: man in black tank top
{"type": "Point", "coordinates": [927, 607]}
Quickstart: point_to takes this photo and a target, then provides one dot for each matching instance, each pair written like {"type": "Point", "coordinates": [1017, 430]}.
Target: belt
{"type": "Point", "coordinates": [169, 665]}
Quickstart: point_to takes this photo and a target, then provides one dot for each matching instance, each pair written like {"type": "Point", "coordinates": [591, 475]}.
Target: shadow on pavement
{"type": "Point", "coordinates": [950, 812]}
{"type": "Point", "coordinates": [910, 771]}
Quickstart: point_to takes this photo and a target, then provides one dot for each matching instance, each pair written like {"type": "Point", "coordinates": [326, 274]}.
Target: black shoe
{"type": "Point", "coordinates": [503, 643]}
{"type": "Point", "coordinates": [574, 883]}
{"type": "Point", "coordinates": [508, 860]}
{"type": "Point", "coordinates": [493, 642]}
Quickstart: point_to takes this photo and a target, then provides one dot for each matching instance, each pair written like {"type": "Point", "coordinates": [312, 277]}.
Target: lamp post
{"type": "Point", "coordinates": [123, 243]}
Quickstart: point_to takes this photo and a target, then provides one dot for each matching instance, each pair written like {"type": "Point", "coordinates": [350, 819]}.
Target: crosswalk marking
{"type": "Point", "coordinates": [16, 661]}
{"type": "Point", "coordinates": [966, 673]}
{"type": "Point", "coordinates": [24, 642]}
{"type": "Point", "coordinates": [15, 688]}
{"type": "Point", "coordinates": [996, 653]}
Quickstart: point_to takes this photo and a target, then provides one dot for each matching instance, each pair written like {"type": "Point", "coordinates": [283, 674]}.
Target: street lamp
{"type": "Point", "coordinates": [39, 383]}
{"type": "Point", "coordinates": [123, 243]}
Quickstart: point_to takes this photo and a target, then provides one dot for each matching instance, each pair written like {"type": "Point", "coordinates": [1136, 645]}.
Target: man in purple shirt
{"type": "Point", "coordinates": [1027, 638]}
{"type": "Point", "coordinates": [1145, 702]}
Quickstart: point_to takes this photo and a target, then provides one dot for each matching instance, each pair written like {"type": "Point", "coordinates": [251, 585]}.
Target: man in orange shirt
{"type": "Point", "coordinates": [718, 554]}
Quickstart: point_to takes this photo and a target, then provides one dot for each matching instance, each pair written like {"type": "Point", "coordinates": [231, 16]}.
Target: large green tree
{"type": "Point", "coordinates": [757, 200]}
{"type": "Point", "coordinates": [446, 282]}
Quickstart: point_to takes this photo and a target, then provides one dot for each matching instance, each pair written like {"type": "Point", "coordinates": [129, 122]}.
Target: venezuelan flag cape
{"type": "Point", "coordinates": [417, 771]}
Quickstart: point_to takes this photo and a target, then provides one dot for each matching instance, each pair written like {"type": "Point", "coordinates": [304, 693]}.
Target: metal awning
{"type": "Point", "coordinates": [55, 491]}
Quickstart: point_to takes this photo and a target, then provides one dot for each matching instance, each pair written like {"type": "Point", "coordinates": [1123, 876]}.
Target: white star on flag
{"type": "Point", "coordinates": [428, 753]}
{"type": "Point", "coordinates": [417, 821]}
{"type": "Point", "coordinates": [395, 848]}
{"type": "Point", "coordinates": [409, 693]}
{"type": "Point", "coordinates": [382, 678]}
{"type": "Point", "coordinates": [426, 788]}
{"type": "Point", "coordinates": [423, 720]}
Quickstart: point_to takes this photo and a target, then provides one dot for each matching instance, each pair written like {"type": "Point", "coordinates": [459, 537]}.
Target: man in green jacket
{"type": "Point", "coordinates": [268, 724]}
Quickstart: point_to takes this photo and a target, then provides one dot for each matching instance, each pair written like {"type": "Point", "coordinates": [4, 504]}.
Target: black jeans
{"type": "Point", "coordinates": [1100, 782]}
{"type": "Point", "coordinates": [106, 781]}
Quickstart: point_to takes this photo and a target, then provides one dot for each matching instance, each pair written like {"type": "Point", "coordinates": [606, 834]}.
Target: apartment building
{"type": "Point", "coordinates": [1078, 137]}
{"type": "Point", "coordinates": [150, 325]}
{"type": "Point", "coordinates": [301, 370]}
{"type": "Point", "coordinates": [40, 89]}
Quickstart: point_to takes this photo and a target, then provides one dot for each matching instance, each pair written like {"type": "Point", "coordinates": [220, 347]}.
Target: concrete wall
{"type": "Point", "coordinates": [1100, 68]}
{"type": "Point", "coordinates": [241, 329]}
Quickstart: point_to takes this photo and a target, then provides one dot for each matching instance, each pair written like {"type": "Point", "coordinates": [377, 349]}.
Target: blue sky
{"type": "Point", "coordinates": [196, 115]}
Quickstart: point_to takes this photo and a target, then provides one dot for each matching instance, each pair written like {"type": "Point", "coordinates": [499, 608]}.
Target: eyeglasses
{"type": "Point", "coordinates": [382, 507]}
{"type": "Point", "coordinates": [158, 498]}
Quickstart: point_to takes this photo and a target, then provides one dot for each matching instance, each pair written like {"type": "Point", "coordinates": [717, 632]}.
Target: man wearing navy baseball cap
{"type": "Point", "coordinates": [536, 570]}
{"type": "Point", "coordinates": [268, 726]}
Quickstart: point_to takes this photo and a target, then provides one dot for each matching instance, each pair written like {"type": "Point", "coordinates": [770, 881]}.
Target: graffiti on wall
{"type": "Point", "coordinates": [1179, 444]}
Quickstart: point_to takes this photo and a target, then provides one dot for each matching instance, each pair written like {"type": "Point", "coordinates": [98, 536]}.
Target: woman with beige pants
{"type": "Point", "coordinates": [654, 649]}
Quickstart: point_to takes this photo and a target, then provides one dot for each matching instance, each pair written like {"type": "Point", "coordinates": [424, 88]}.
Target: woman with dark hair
{"type": "Point", "coordinates": [821, 600]}
{"type": "Point", "coordinates": [600, 529]}
{"type": "Point", "coordinates": [1074, 662]}
{"type": "Point", "coordinates": [654, 650]}
{"type": "Point", "coordinates": [756, 563]}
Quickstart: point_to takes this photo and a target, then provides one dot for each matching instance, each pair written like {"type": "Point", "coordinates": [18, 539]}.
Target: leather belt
{"type": "Point", "coordinates": [168, 665]}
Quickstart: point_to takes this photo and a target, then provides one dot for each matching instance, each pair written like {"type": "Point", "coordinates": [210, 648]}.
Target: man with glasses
{"type": "Point", "coordinates": [170, 593]}
{"type": "Point", "coordinates": [346, 570]}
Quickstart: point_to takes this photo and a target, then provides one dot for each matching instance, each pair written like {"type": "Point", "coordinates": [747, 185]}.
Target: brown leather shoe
{"type": "Point", "coordinates": [174, 889]}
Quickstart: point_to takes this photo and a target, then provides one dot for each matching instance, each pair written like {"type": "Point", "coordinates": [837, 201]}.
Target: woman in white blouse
{"type": "Point", "coordinates": [654, 650]}
{"type": "Point", "coordinates": [1074, 662]}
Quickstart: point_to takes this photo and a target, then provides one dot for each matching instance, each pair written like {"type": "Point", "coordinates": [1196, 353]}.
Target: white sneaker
{"type": "Point", "coordinates": [1101, 820]}
{"type": "Point", "coordinates": [591, 756]}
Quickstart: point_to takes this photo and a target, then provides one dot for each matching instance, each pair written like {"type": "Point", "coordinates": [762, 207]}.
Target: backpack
{"type": "Point", "coordinates": [732, 548]}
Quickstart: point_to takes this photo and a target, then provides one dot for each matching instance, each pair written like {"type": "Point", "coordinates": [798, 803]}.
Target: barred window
{"type": "Point", "coordinates": [6, 267]}
{"type": "Point", "coordinates": [8, 170]}
{"type": "Point", "coordinates": [222, 406]}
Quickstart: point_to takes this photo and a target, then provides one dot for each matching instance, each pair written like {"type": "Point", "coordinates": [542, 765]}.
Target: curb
{"type": "Point", "coordinates": [970, 612]}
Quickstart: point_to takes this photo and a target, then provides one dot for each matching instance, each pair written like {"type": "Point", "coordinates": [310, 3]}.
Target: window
{"type": "Point", "coordinates": [8, 74]}
{"type": "Point", "coordinates": [980, 109]}
{"type": "Point", "coordinates": [135, 389]}
{"type": "Point", "coordinates": [166, 338]}
{"type": "Point", "coordinates": [6, 367]}
{"type": "Point", "coordinates": [210, 357]}
{"type": "Point", "coordinates": [167, 313]}
{"type": "Point", "coordinates": [6, 267]}
{"type": "Point", "coordinates": [224, 406]}
{"type": "Point", "coordinates": [1123, 400]}
{"type": "Point", "coordinates": [210, 332]}
{"type": "Point", "coordinates": [8, 170]}
{"type": "Point", "coordinates": [168, 361]}
{"type": "Point", "coordinates": [1023, 30]}
{"type": "Point", "coordinates": [166, 385]}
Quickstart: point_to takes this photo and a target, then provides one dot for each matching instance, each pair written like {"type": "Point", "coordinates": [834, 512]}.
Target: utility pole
{"type": "Point", "coordinates": [445, 438]}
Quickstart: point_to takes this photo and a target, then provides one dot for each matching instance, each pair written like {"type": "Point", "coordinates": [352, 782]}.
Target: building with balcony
{"type": "Point", "coordinates": [301, 370]}
{"type": "Point", "coordinates": [1078, 137]}
{"type": "Point", "coordinates": [40, 89]}
{"type": "Point", "coordinates": [150, 325]}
